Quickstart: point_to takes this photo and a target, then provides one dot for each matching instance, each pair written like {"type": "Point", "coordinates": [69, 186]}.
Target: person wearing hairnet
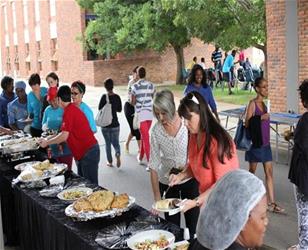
{"type": "Point", "coordinates": [235, 214]}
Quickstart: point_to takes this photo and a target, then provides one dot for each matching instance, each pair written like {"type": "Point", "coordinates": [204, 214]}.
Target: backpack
{"type": "Point", "coordinates": [104, 116]}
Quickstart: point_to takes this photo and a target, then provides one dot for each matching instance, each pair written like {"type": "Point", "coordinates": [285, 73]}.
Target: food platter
{"type": "Point", "coordinates": [24, 165]}
{"type": "Point", "coordinates": [40, 171]}
{"type": "Point", "coordinates": [171, 206]}
{"type": "Point", "coordinates": [151, 239]}
{"type": "Point", "coordinates": [94, 206]}
{"type": "Point", "coordinates": [73, 194]}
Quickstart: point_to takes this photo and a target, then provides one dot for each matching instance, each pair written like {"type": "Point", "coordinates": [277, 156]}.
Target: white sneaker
{"type": "Point", "coordinates": [138, 160]}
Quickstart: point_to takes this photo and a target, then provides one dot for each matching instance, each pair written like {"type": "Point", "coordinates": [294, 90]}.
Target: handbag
{"type": "Point", "coordinates": [104, 116]}
{"type": "Point", "coordinates": [136, 120]}
{"type": "Point", "coordinates": [242, 139]}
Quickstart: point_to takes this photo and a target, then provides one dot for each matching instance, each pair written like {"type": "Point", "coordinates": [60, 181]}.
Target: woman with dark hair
{"type": "Point", "coordinates": [258, 122]}
{"type": "Point", "coordinates": [78, 89]}
{"type": "Point", "coordinates": [35, 104]}
{"type": "Point", "coordinates": [298, 173]}
{"type": "Point", "coordinates": [211, 150]}
{"type": "Point", "coordinates": [52, 80]}
{"type": "Point", "coordinates": [197, 82]}
{"type": "Point", "coordinates": [7, 95]}
{"type": "Point", "coordinates": [129, 111]}
{"type": "Point", "coordinates": [111, 132]}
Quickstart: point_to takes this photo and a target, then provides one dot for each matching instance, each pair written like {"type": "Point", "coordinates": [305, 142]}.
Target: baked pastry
{"type": "Point", "coordinates": [162, 204]}
{"type": "Point", "coordinates": [101, 200]}
{"type": "Point", "coordinates": [42, 165]}
{"type": "Point", "coordinates": [82, 205]}
{"type": "Point", "coordinates": [120, 201]}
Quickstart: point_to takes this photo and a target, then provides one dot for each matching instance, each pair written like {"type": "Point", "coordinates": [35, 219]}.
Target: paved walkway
{"type": "Point", "coordinates": [133, 179]}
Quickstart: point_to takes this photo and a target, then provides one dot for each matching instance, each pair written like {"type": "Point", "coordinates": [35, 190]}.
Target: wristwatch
{"type": "Point", "coordinates": [197, 202]}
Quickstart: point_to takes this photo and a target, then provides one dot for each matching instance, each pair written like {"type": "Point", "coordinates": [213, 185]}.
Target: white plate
{"type": "Point", "coordinates": [151, 235]}
{"type": "Point", "coordinates": [89, 215]}
{"type": "Point", "coordinates": [22, 166]}
{"type": "Point", "coordinates": [167, 210]}
{"type": "Point", "coordinates": [86, 190]}
{"type": "Point", "coordinates": [179, 243]}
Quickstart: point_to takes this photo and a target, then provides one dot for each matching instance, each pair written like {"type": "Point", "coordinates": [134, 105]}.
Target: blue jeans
{"type": "Point", "coordinates": [111, 136]}
{"type": "Point", "coordinates": [87, 166]}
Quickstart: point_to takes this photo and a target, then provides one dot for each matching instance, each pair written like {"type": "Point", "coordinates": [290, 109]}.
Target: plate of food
{"type": "Point", "coordinates": [40, 171]}
{"type": "Point", "coordinates": [99, 204]}
{"type": "Point", "coordinates": [73, 194]}
{"type": "Point", "coordinates": [181, 245]}
{"type": "Point", "coordinates": [167, 205]}
{"type": "Point", "coordinates": [24, 165]}
{"type": "Point", "coordinates": [151, 240]}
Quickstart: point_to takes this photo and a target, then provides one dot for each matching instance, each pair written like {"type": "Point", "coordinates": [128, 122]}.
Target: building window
{"type": "Point", "coordinates": [39, 65]}
{"type": "Point", "coordinates": [28, 67]}
{"type": "Point", "coordinates": [53, 45]}
{"type": "Point", "coordinates": [54, 65]}
{"type": "Point", "coordinates": [16, 59]}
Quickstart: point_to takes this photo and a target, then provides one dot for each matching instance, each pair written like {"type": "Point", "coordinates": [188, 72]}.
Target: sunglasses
{"type": "Point", "coordinates": [75, 93]}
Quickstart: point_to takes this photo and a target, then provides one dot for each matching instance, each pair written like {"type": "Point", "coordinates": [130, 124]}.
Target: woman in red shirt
{"type": "Point", "coordinates": [211, 150]}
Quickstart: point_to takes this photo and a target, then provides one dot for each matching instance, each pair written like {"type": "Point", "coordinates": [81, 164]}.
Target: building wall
{"type": "Point", "coordinates": [276, 50]}
{"type": "Point", "coordinates": [71, 58]}
{"type": "Point", "coordinates": [276, 53]}
{"type": "Point", "coordinates": [303, 41]}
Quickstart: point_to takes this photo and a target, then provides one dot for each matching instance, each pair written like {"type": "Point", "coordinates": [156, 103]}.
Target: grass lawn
{"type": "Point", "coordinates": [240, 97]}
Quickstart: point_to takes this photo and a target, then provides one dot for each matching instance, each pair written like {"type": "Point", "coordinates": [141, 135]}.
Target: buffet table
{"type": "Point", "coordinates": [42, 223]}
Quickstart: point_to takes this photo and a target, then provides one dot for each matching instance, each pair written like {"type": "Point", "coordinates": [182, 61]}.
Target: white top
{"type": "Point", "coordinates": [129, 89]}
{"type": "Point", "coordinates": [167, 152]}
{"type": "Point", "coordinates": [143, 90]}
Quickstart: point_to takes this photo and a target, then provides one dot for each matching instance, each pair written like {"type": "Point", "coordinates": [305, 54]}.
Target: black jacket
{"type": "Point", "coordinates": [298, 173]}
{"type": "Point", "coordinates": [255, 131]}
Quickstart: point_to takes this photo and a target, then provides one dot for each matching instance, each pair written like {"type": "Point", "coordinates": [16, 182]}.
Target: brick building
{"type": "Point", "coordinates": [287, 50]}
{"type": "Point", "coordinates": [41, 36]}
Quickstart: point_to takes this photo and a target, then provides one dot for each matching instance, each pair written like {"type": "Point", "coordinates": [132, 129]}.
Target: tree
{"type": "Point", "coordinates": [228, 23]}
{"type": "Point", "coordinates": [129, 25]}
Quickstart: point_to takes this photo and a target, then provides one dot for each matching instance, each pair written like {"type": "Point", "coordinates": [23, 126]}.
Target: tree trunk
{"type": "Point", "coordinates": [264, 49]}
{"type": "Point", "coordinates": [180, 64]}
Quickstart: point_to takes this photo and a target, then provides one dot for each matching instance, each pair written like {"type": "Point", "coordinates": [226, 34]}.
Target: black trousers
{"type": "Point", "coordinates": [187, 190]}
{"type": "Point", "coordinates": [129, 111]}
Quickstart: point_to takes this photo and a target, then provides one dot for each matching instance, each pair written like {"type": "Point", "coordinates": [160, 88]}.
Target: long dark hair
{"type": "Point", "coordinates": [208, 125]}
{"type": "Point", "coordinates": [192, 77]}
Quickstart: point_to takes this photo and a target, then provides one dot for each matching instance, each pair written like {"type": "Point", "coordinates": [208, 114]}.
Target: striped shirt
{"type": "Point", "coordinates": [216, 55]}
{"type": "Point", "coordinates": [143, 91]}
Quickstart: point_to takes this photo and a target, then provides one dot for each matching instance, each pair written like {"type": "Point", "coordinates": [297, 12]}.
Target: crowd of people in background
{"type": "Point", "coordinates": [187, 151]}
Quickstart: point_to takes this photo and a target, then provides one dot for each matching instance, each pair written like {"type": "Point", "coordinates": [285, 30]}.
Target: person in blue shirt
{"type": "Point", "coordinates": [35, 103]}
{"type": "Point", "coordinates": [197, 82]}
{"type": "Point", "coordinates": [226, 69]}
{"type": "Point", "coordinates": [52, 120]}
{"type": "Point", "coordinates": [17, 109]}
{"type": "Point", "coordinates": [78, 90]}
{"type": "Point", "coordinates": [7, 95]}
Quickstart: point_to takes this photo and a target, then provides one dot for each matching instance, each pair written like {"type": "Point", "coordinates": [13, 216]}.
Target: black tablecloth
{"type": "Point", "coordinates": [42, 223]}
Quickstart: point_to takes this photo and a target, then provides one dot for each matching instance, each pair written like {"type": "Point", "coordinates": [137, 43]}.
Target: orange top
{"type": "Point", "coordinates": [215, 169]}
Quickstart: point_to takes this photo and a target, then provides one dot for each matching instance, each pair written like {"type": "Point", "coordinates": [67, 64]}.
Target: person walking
{"type": "Point", "coordinates": [258, 123]}
{"type": "Point", "coordinates": [129, 111]}
{"type": "Point", "coordinates": [142, 99]}
{"type": "Point", "coordinates": [111, 132]}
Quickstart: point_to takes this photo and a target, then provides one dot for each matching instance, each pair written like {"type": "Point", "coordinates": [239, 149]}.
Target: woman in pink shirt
{"type": "Point", "coordinates": [211, 150]}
